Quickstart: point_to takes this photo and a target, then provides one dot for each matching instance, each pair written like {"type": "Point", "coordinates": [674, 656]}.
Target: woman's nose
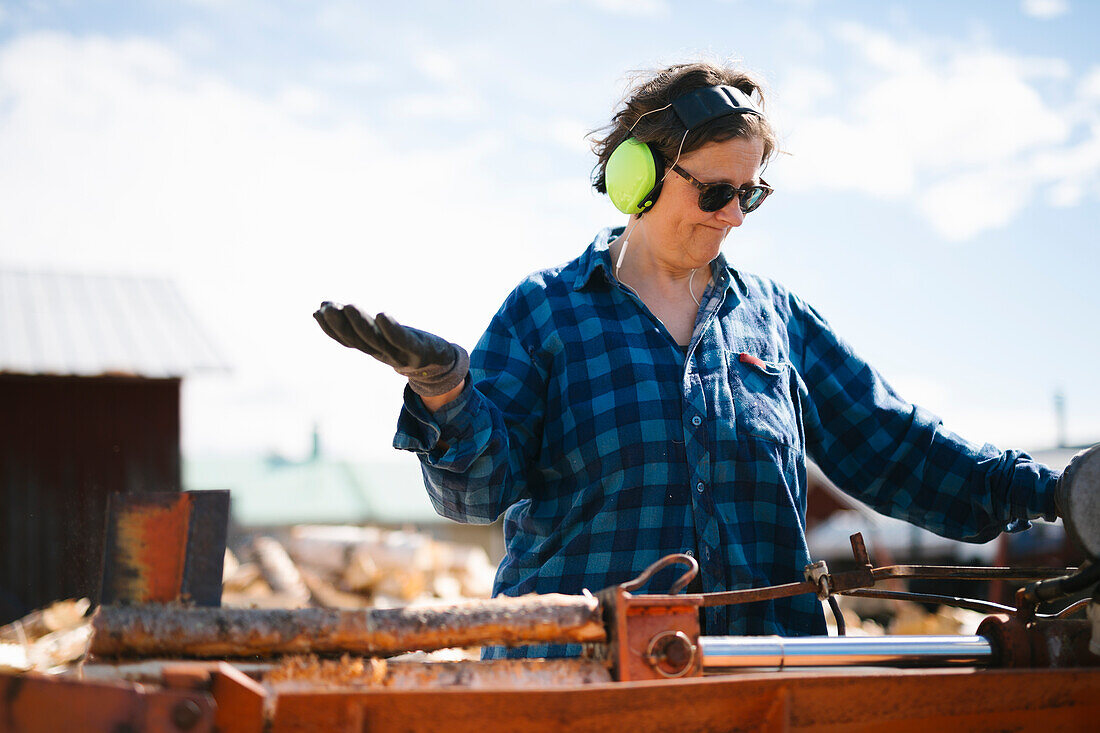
{"type": "Point", "coordinates": [730, 214]}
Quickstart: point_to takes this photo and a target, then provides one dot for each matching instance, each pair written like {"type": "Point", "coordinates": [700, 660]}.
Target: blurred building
{"type": "Point", "coordinates": [270, 494]}
{"type": "Point", "coordinates": [90, 373]}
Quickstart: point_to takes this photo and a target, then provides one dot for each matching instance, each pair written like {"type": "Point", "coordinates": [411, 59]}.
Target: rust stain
{"type": "Point", "coordinates": [152, 543]}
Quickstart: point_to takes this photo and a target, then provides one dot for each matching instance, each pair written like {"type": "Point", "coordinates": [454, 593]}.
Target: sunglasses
{"type": "Point", "coordinates": [715, 196]}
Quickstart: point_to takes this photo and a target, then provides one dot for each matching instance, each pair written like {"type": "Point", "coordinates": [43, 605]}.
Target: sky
{"type": "Point", "coordinates": [936, 198]}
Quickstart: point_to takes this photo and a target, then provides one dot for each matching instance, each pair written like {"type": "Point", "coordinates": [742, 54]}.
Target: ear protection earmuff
{"type": "Point", "coordinates": [633, 176]}
{"type": "Point", "coordinates": [635, 171]}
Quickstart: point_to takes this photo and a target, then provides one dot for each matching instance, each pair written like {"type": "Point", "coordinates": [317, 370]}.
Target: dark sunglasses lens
{"type": "Point", "coordinates": [752, 198]}
{"type": "Point", "coordinates": [716, 197]}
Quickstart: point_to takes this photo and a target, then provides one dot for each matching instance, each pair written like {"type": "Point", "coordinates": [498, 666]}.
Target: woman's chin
{"type": "Point", "coordinates": [712, 243]}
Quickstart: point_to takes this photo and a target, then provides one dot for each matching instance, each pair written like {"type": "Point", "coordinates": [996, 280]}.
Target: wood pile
{"type": "Point", "coordinates": [330, 567]}
{"type": "Point", "coordinates": [46, 640]}
{"type": "Point", "coordinates": [354, 567]}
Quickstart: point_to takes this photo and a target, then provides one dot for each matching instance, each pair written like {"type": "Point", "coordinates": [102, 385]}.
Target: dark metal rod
{"type": "Point", "coordinates": [837, 616]}
{"type": "Point", "coordinates": [953, 572]}
{"type": "Point", "coordinates": [1071, 608]}
{"type": "Point", "coordinates": [957, 572]}
{"type": "Point", "coordinates": [751, 595]}
{"type": "Point", "coordinates": [971, 604]}
{"type": "Point", "coordinates": [1071, 582]}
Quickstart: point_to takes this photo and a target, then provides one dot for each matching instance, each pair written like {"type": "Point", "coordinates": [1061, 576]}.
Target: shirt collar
{"type": "Point", "coordinates": [596, 260]}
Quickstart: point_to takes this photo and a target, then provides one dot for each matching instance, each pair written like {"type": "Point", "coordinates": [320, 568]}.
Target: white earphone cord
{"type": "Point", "coordinates": [622, 254]}
{"type": "Point", "coordinates": [630, 229]}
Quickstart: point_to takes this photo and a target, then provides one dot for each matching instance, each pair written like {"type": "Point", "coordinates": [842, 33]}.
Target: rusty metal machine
{"type": "Point", "coordinates": [160, 665]}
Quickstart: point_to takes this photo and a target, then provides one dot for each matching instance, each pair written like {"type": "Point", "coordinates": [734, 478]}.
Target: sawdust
{"type": "Point", "coordinates": [347, 670]}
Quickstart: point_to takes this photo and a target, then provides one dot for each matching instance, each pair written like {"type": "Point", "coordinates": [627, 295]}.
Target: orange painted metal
{"type": "Point", "coordinates": [918, 701]}
{"type": "Point", "coordinates": [200, 696]}
{"type": "Point", "coordinates": [163, 547]}
{"type": "Point", "coordinates": [146, 547]}
{"type": "Point", "coordinates": [641, 627]}
{"type": "Point", "coordinates": [239, 698]}
{"type": "Point", "coordinates": [39, 704]}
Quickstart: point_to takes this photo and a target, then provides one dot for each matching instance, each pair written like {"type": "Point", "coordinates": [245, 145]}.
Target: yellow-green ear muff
{"type": "Point", "coordinates": [632, 176]}
{"type": "Point", "coordinates": [634, 171]}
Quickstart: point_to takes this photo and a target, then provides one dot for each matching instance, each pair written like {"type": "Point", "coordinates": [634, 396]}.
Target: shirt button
{"type": "Point", "coordinates": [700, 486]}
{"type": "Point", "coordinates": [689, 553]}
{"type": "Point", "coordinates": [696, 421]}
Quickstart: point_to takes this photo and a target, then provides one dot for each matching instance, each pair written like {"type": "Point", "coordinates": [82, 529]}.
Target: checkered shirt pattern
{"type": "Point", "coordinates": [606, 448]}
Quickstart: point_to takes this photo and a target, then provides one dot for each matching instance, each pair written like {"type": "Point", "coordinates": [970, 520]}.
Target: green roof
{"type": "Point", "coordinates": [274, 491]}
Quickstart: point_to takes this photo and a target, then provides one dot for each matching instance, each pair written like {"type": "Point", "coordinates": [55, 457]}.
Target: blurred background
{"type": "Point", "coordinates": [207, 172]}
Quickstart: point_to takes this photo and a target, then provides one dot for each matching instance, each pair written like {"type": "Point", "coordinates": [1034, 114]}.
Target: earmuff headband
{"type": "Point", "coordinates": [703, 105]}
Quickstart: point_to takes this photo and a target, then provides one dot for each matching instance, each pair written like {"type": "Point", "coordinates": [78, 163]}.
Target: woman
{"type": "Point", "coordinates": [647, 398]}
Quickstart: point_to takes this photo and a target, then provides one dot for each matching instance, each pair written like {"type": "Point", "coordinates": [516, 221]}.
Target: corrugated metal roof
{"type": "Point", "coordinates": [91, 325]}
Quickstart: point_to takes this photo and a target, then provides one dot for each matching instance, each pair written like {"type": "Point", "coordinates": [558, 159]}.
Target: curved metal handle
{"type": "Point", "coordinates": [677, 559]}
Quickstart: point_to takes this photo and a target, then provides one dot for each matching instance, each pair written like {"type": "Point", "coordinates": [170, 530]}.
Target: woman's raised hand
{"type": "Point", "coordinates": [433, 366]}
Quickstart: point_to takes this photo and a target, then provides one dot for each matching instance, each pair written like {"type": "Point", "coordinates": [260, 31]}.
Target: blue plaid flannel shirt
{"type": "Point", "coordinates": [606, 449]}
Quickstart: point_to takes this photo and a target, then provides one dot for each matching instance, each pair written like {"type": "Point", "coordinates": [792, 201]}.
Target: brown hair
{"type": "Point", "coordinates": [663, 130]}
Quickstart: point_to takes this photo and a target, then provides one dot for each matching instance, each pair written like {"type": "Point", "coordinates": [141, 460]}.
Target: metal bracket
{"type": "Point", "coordinates": [818, 574]}
{"type": "Point", "coordinates": [165, 546]}
{"type": "Point", "coordinates": [653, 637]}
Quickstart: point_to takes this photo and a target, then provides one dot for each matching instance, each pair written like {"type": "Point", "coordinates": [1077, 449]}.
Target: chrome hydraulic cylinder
{"type": "Point", "coordinates": [731, 653]}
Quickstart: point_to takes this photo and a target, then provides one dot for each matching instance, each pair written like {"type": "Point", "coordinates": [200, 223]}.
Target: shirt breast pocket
{"type": "Point", "coordinates": [763, 402]}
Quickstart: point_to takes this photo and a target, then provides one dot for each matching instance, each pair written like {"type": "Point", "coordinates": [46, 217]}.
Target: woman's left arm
{"type": "Point", "coordinates": [897, 457]}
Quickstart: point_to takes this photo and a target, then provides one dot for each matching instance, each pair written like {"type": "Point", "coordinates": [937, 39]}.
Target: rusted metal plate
{"type": "Point", "coordinates": [1039, 643]}
{"type": "Point", "coordinates": [163, 547]}
{"type": "Point", "coordinates": [205, 559]}
{"type": "Point", "coordinates": [34, 704]}
{"type": "Point", "coordinates": [919, 701]}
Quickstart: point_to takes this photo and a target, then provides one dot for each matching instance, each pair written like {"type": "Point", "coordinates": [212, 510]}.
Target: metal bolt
{"type": "Point", "coordinates": [671, 654]}
{"type": "Point", "coordinates": [186, 714]}
{"type": "Point", "coordinates": [678, 655]}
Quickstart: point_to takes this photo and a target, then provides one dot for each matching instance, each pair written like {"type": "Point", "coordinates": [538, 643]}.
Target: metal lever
{"type": "Point", "coordinates": [664, 562]}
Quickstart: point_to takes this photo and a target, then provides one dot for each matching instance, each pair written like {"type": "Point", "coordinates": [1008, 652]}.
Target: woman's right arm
{"type": "Point", "coordinates": [479, 445]}
{"type": "Point", "coordinates": [436, 403]}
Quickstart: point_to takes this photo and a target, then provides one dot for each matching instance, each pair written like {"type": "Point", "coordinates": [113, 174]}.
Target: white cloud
{"type": "Point", "coordinates": [349, 73]}
{"type": "Point", "coordinates": [449, 106]}
{"type": "Point", "coordinates": [1044, 8]}
{"type": "Point", "coordinates": [972, 129]}
{"type": "Point", "coordinates": [117, 156]}
{"type": "Point", "coordinates": [437, 66]}
{"type": "Point", "coordinates": [962, 206]}
{"type": "Point", "coordinates": [642, 8]}
{"type": "Point", "coordinates": [1089, 86]}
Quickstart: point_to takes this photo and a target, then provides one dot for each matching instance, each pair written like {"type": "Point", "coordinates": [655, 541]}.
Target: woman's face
{"type": "Point", "coordinates": [683, 235]}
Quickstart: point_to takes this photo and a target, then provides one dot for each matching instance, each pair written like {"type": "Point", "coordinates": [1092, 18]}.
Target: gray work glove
{"type": "Point", "coordinates": [433, 366]}
{"type": "Point", "coordinates": [1077, 496]}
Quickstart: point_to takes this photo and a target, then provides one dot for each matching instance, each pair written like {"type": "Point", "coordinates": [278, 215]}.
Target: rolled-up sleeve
{"type": "Point", "coordinates": [897, 457]}
{"type": "Point", "coordinates": [475, 452]}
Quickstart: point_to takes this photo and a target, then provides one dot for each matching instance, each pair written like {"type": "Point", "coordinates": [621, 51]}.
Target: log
{"type": "Point", "coordinates": [326, 595]}
{"type": "Point", "coordinates": [165, 630]}
{"type": "Point", "coordinates": [59, 615]}
{"type": "Point", "coordinates": [280, 572]}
